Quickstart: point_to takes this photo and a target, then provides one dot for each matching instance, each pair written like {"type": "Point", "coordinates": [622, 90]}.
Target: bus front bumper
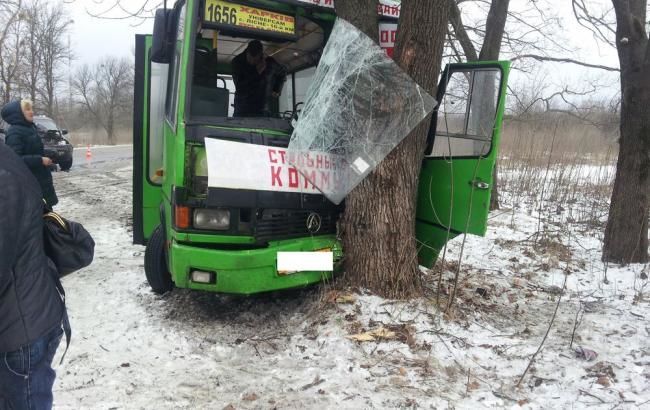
{"type": "Point", "coordinates": [247, 271]}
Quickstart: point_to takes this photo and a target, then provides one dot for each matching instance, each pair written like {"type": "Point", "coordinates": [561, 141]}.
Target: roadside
{"type": "Point", "coordinates": [133, 349]}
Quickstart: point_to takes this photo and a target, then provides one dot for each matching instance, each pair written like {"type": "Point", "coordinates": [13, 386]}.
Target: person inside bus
{"type": "Point", "coordinates": [258, 79]}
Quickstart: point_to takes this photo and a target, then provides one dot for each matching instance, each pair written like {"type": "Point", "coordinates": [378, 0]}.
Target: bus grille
{"type": "Point", "coordinates": [277, 224]}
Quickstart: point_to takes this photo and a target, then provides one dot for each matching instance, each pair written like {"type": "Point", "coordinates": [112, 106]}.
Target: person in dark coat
{"type": "Point", "coordinates": [257, 79]}
{"type": "Point", "coordinates": [25, 141]}
{"type": "Point", "coordinates": [32, 307]}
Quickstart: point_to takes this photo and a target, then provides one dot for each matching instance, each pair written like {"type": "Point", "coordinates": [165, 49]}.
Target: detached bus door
{"type": "Point", "coordinates": [150, 85]}
{"type": "Point", "coordinates": [456, 179]}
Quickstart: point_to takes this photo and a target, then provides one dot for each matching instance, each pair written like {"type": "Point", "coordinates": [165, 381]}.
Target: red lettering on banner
{"type": "Point", "coordinates": [387, 10]}
{"type": "Point", "coordinates": [293, 177]}
{"type": "Point", "coordinates": [327, 162]}
{"type": "Point", "coordinates": [319, 161]}
{"type": "Point", "coordinates": [282, 154]}
{"type": "Point", "coordinates": [312, 178]}
{"type": "Point", "coordinates": [310, 161]}
{"type": "Point", "coordinates": [324, 180]}
{"type": "Point", "coordinates": [272, 156]}
{"type": "Point", "coordinates": [275, 176]}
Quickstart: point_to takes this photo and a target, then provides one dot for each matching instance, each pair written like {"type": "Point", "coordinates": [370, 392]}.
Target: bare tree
{"type": "Point", "coordinates": [626, 235]}
{"type": "Point", "coordinates": [625, 26]}
{"type": "Point", "coordinates": [53, 26]}
{"type": "Point", "coordinates": [32, 56]}
{"type": "Point", "coordinates": [139, 11]}
{"type": "Point", "coordinates": [105, 91]}
{"type": "Point", "coordinates": [379, 220]}
{"type": "Point", "coordinates": [10, 42]}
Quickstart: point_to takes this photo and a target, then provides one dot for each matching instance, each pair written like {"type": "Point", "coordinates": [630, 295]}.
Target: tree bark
{"type": "Point", "coordinates": [494, 27]}
{"type": "Point", "coordinates": [362, 14]}
{"type": "Point", "coordinates": [378, 225]}
{"type": "Point", "coordinates": [626, 234]}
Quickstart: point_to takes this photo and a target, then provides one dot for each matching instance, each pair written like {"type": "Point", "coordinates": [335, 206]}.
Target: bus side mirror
{"type": "Point", "coordinates": [162, 31]}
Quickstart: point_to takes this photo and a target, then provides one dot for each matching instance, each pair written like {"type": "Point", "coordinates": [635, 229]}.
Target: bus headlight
{"type": "Point", "coordinates": [215, 219]}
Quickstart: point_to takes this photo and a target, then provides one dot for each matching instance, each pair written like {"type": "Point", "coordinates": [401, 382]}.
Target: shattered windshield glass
{"type": "Point", "coordinates": [359, 106]}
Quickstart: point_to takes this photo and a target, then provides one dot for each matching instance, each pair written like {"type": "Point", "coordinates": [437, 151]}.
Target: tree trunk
{"type": "Point", "coordinates": [362, 14]}
{"type": "Point", "coordinates": [494, 27]}
{"type": "Point", "coordinates": [110, 128]}
{"type": "Point", "coordinates": [626, 234]}
{"type": "Point", "coordinates": [379, 221]}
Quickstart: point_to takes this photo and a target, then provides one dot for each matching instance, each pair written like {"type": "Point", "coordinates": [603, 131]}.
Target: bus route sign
{"type": "Point", "coordinates": [230, 15]}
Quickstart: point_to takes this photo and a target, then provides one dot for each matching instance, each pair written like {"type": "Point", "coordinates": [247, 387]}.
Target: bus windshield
{"type": "Point", "coordinates": [236, 75]}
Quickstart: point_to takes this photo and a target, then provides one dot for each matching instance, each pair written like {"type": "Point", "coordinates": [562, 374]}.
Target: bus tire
{"type": "Point", "coordinates": [155, 263]}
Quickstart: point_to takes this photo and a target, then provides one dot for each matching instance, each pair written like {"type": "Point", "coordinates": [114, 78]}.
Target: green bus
{"type": "Point", "coordinates": [227, 238]}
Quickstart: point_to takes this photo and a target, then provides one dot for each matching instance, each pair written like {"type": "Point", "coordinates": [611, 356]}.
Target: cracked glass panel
{"type": "Point", "coordinates": [359, 106]}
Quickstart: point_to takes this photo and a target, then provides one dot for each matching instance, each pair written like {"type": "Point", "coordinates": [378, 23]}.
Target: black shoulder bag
{"type": "Point", "coordinates": [68, 244]}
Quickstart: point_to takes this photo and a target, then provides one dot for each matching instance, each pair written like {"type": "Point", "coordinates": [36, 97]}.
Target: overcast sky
{"type": "Point", "coordinates": [92, 38]}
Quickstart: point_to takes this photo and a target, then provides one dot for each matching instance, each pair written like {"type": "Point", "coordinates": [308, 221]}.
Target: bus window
{"type": "Point", "coordinates": [156, 117]}
{"type": "Point", "coordinates": [213, 90]}
{"type": "Point", "coordinates": [302, 79]}
{"type": "Point", "coordinates": [466, 114]}
{"type": "Point", "coordinates": [173, 88]}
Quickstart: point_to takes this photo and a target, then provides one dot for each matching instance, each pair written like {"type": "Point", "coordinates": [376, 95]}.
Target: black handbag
{"type": "Point", "coordinates": [68, 244]}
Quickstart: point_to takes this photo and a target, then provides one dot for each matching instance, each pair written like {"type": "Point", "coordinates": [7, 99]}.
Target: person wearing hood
{"type": "Point", "coordinates": [25, 141]}
{"type": "Point", "coordinates": [33, 316]}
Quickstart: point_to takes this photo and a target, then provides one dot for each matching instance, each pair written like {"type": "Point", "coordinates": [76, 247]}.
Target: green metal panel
{"type": "Point", "coordinates": [247, 271]}
{"type": "Point", "coordinates": [151, 193]}
{"type": "Point", "coordinates": [449, 200]}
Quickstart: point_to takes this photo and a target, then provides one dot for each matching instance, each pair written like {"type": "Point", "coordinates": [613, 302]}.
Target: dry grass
{"type": "Point", "coordinates": [559, 168]}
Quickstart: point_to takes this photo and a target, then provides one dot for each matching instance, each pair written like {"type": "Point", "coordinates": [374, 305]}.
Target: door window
{"type": "Point", "coordinates": [158, 89]}
{"type": "Point", "coordinates": [467, 113]}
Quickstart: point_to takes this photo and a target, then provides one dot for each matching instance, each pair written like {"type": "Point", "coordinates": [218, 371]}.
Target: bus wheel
{"type": "Point", "coordinates": [155, 263]}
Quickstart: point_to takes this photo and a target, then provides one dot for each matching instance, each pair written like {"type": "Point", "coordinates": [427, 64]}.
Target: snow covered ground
{"type": "Point", "coordinates": [132, 349]}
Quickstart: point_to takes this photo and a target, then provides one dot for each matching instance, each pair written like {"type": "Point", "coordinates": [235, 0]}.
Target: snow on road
{"type": "Point", "coordinates": [132, 349]}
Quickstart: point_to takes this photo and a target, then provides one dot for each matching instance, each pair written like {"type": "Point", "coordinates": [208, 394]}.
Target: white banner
{"type": "Point", "coordinates": [237, 165]}
{"type": "Point", "coordinates": [386, 8]}
{"type": "Point", "coordinates": [387, 34]}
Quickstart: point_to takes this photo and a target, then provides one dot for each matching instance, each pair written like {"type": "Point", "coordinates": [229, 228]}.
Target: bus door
{"type": "Point", "coordinates": [148, 118]}
{"type": "Point", "coordinates": [456, 179]}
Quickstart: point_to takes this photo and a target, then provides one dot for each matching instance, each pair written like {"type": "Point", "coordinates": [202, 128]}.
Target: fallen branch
{"type": "Point", "coordinates": [316, 382]}
{"type": "Point", "coordinates": [550, 325]}
{"type": "Point", "coordinates": [591, 395]}
{"type": "Point", "coordinates": [576, 323]}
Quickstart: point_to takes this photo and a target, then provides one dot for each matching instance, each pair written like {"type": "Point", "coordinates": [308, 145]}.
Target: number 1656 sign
{"type": "Point", "coordinates": [223, 13]}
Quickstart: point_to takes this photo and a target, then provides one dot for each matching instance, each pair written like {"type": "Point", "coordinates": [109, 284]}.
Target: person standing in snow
{"type": "Point", "coordinates": [25, 141]}
{"type": "Point", "coordinates": [33, 317]}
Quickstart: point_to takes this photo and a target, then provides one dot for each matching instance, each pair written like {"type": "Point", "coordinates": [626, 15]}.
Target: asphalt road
{"type": "Point", "coordinates": [90, 175]}
{"type": "Point", "coordinates": [101, 156]}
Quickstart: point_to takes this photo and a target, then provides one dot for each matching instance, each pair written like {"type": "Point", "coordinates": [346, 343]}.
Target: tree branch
{"type": "Point", "coordinates": [564, 60]}
{"type": "Point", "coordinates": [461, 34]}
{"type": "Point", "coordinates": [496, 22]}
